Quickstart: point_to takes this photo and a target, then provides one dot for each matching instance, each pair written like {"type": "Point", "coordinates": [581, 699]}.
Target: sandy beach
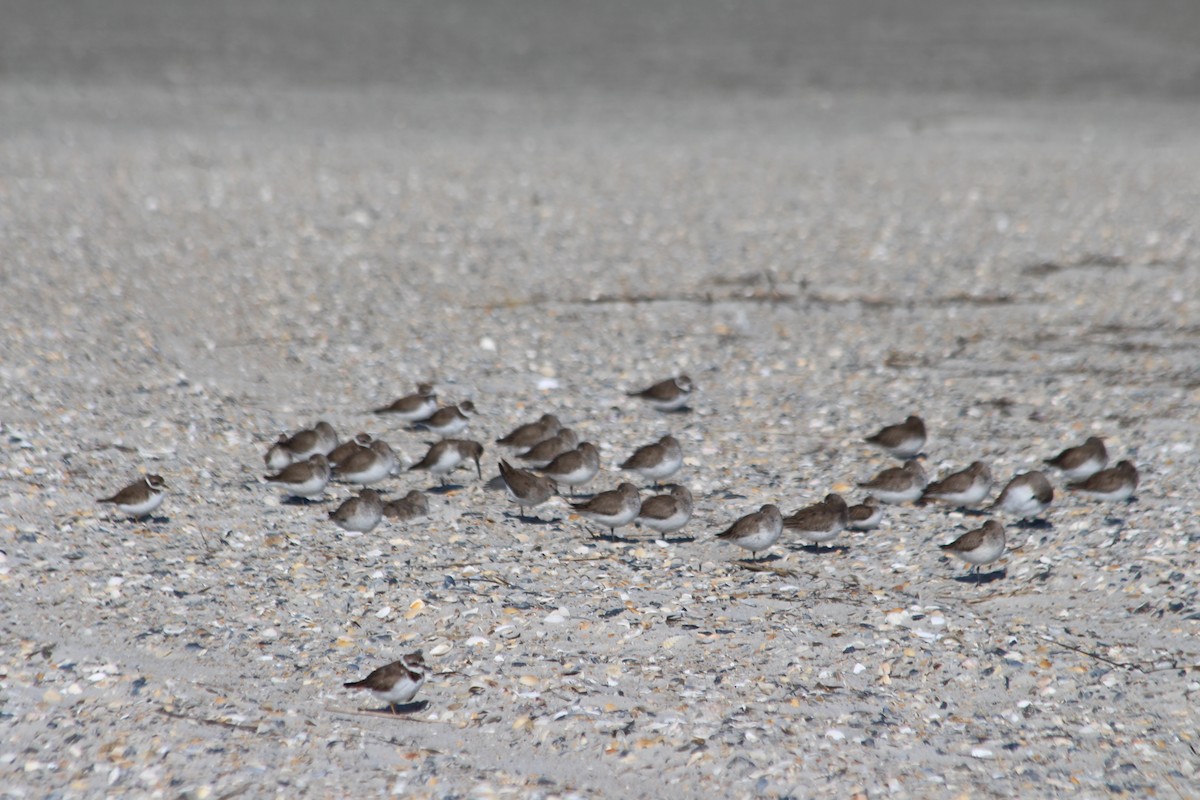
{"type": "Point", "coordinates": [219, 224]}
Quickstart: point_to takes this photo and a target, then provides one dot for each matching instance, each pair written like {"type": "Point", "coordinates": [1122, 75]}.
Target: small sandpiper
{"type": "Point", "coordinates": [898, 484]}
{"type": "Point", "coordinates": [359, 514]}
{"type": "Point", "coordinates": [672, 394]}
{"type": "Point", "coordinates": [756, 531]}
{"type": "Point", "coordinates": [547, 450]}
{"type": "Point", "coordinates": [1026, 496]}
{"type": "Point", "coordinates": [966, 488]}
{"type": "Point", "coordinates": [1082, 461]}
{"type": "Point", "coordinates": [574, 468]}
{"type": "Point", "coordinates": [1114, 484]}
{"type": "Point", "coordinates": [524, 488]}
{"type": "Point", "coordinates": [865, 516]}
{"type": "Point", "coordinates": [447, 455]}
{"type": "Point", "coordinates": [369, 465]}
{"type": "Point", "coordinates": [820, 522]}
{"type": "Point", "coordinates": [412, 505]}
{"type": "Point", "coordinates": [414, 407]}
{"type": "Point", "coordinates": [303, 479]}
{"type": "Point", "coordinates": [361, 441]}
{"type": "Point", "coordinates": [612, 509]}
{"type": "Point", "coordinates": [980, 546]}
{"type": "Point", "coordinates": [657, 460]}
{"type": "Point", "coordinates": [450, 420]}
{"type": "Point", "coordinates": [528, 435]}
{"type": "Point", "coordinates": [321, 438]}
{"type": "Point", "coordinates": [902, 440]}
{"type": "Point", "coordinates": [667, 513]}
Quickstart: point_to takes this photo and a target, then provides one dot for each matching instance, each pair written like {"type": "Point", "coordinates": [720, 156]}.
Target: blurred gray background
{"type": "Point", "coordinates": [1012, 48]}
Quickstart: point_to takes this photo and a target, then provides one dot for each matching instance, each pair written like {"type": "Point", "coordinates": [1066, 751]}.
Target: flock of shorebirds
{"type": "Point", "coordinates": [304, 463]}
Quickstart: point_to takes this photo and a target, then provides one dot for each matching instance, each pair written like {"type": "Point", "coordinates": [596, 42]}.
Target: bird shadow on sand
{"type": "Point", "coordinates": [963, 510]}
{"type": "Point", "coordinates": [764, 560]}
{"type": "Point", "coordinates": [611, 538]}
{"type": "Point", "coordinates": [1119, 522]}
{"type": "Point", "coordinates": [684, 409]}
{"type": "Point", "coordinates": [821, 549]}
{"type": "Point", "coordinates": [401, 708]}
{"type": "Point", "coordinates": [445, 488]}
{"type": "Point", "coordinates": [1036, 525]}
{"type": "Point", "coordinates": [301, 502]}
{"type": "Point", "coordinates": [531, 520]}
{"type": "Point", "coordinates": [983, 577]}
{"type": "Point", "coordinates": [772, 564]}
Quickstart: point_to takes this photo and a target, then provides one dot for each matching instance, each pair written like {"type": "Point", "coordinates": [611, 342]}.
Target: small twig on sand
{"type": "Point", "coordinates": [971, 601]}
{"type": "Point", "coordinates": [489, 579]}
{"type": "Point", "coordinates": [755, 566]}
{"type": "Point", "coordinates": [220, 723]}
{"type": "Point", "coordinates": [1144, 667]}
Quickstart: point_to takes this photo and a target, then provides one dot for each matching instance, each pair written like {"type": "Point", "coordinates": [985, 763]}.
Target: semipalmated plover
{"type": "Point", "coordinates": [547, 450]}
{"type": "Point", "coordinates": [865, 516]}
{"type": "Point", "coordinates": [359, 514]}
{"type": "Point", "coordinates": [667, 513]}
{"type": "Point", "coordinates": [980, 546]}
{"type": "Point", "coordinates": [898, 484]}
{"type": "Point", "coordinates": [656, 461]}
{"type": "Point", "coordinates": [139, 498]}
{"type": "Point", "coordinates": [669, 395]}
{"type": "Point", "coordinates": [413, 407]}
{"type": "Point", "coordinates": [820, 522]}
{"type": "Point", "coordinates": [966, 488]}
{"type": "Point", "coordinates": [611, 509]}
{"type": "Point", "coordinates": [306, 478]}
{"type": "Point", "coordinates": [412, 505]}
{"type": "Point", "coordinates": [1082, 461]}
{"type": "Point", "coordinates": [397, 682]}
{"type": "Point", "coordinates": [531, 433]}
{"type": "Point", "coordinates": [1114, 484]}
{"type": "Point", "coordinates": [902, 440]}
{"type": "Point", "coordinates": [279, 455]}
{"type": "Point", "coordinates": [1026, 495]}
{"type": "Point", "coordinates": [524, 488]}
{"type": "Point", "coordinates": [446, 455]}
{"type": "Point", "coordinates": [574, 468]}
{"type": "Point", "coordinates": [368, 465]}
{"type": "Point", "coordinates": [449, 420]}
{"type": "Point", "coordinates": [756, 531]}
